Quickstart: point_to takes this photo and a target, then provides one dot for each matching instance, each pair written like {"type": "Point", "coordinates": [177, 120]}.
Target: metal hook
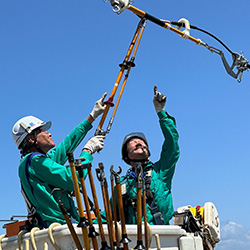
{"type": "Point", "coordinates": [116, 173]}
{"type": "Point", "coordinates": [99, 175]}
{"type": "Point", "coordinates": [111, 173]}
{"type": "Point", "coordinates": [186, 32]}
{"type": "Point", "coordinates": [100, 172]}
{"type": "Point", "coordinates": [59, 189]}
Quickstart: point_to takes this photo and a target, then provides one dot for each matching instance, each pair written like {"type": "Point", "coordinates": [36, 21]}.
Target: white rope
{"type": "Point", "coordinates": [149, 234]}
{"type": "Point", "coordinates": [27, 244]}
{"type": "Point", "coordinates": [157, 239]}
{"type": "Point", "coordinates": [1, 237]}
{"type": "Point", "coordinates": [32, 237]}
{"type": "Point", "coordinates": [19, 238]}
{"type": "Point", "coordinates": [50, 233]}
{"type": "Point", "coordinates": [46, 246]}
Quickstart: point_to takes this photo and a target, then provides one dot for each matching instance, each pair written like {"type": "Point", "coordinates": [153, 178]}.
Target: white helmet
{"type": "Point", "coordinates": [25, 126]}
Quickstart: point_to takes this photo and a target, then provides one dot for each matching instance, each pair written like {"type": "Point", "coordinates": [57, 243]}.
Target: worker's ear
{"type": "Point", "coordinates": [31, 139]}
{"type": "Point", "coordinates": [127, 160]}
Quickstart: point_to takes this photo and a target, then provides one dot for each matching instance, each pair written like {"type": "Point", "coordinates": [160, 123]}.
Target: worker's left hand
{"type": "Point", "coordinates": [95, 143]}
{"type": "Point", "coordinates": [159, 100]}
{"type": "Point", "coordinates": [99, 107]}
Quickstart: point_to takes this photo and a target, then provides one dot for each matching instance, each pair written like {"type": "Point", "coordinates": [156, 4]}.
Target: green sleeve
{"type": "Point", "coordinates": [69, 144]}
{"type": "Point", "coordinates": [170, 150]}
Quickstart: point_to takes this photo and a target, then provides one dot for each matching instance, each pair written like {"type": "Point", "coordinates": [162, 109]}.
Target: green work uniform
{"type": "Point", "coordinates": [46, 172]}
{"type": "Point", "coordinates": [161, 176]}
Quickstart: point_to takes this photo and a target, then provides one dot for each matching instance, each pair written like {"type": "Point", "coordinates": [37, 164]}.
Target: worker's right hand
{"type": "Point", "coordinates": [95, 143]}
{"type": "Point", "coordinates": [159, 100]}
{"type": "Point", "coordinates": [99, 107]}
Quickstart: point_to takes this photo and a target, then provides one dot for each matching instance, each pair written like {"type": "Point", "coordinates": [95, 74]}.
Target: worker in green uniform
{"type": "Point", "coordinates": [158, 176]}
{"type": "Point", "coordinates": [42, 170]}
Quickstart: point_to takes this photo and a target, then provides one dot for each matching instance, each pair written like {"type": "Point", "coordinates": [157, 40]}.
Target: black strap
{"type": "Point", "coordinates": [151, 200]}
{"type": "Point", "coordinates": [33, 216]}
{"type": "Point", "coordinates": [155, 212]}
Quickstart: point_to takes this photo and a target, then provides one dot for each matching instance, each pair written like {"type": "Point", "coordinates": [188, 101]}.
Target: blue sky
{"type": "Point", "coordinates": [58, 57]}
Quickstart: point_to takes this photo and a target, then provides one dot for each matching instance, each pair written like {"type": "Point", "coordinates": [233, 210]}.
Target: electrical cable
{"type": "Point", "coordinates": [204, 31]}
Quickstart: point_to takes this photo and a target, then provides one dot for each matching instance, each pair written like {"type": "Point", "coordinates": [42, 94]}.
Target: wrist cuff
{"type": "Point", "coordinates": [92, 115]}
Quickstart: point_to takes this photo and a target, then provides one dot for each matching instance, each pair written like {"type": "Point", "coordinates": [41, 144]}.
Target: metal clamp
{"type": "Point", "coordinates": [239, 61]}
{"type": "Point", "coordinates": [116, 174]}
{"type": "Point", "coordinates": [120, 5]}
{"type": "Point", "coordinates": [186, 32]}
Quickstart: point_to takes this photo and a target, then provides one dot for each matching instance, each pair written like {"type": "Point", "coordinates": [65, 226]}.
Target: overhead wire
{"type": "Point", "coordinates": [239, 61]}
{"type": "Point", "coordinates": [206, 32]}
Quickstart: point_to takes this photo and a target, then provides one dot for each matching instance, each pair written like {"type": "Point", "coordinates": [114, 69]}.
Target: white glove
{"type": "Point", "coordinates": [159, 100]}
{"type": "Point", "coordinates": [95, 143]}
{"type": "Point", "coordinates": [99, 107]}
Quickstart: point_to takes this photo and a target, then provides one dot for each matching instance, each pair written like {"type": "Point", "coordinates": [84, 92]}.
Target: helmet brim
{"type": "Point", "coordinates": [47, 125]}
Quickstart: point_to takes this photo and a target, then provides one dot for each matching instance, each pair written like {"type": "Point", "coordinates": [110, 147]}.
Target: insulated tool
{"type": "Point", "coordinates": [97, 209]}
{"type": "Point", "coordinates": [104, 186]}
{"type": "Point", "coordinates": [144, 204]}
{"type": "Point", "coordinates": [113, 203]}
{"type": "Point", "coordinates": [67, 219]}
{"type": "Point", "coordinates": [130, 65]}
{"type": "Point", "coordinates": [125, 65]}
{"type": "Point", "coordinates": [83, 222]}
{"type": "Point", "coordinates": [92, 233]}
{"type": "Point", "coordinates": [125, 240]}
{"type": "Point", "coordinates": [239, 62]}
{"type": "Point", "coordinates": [139, 186]}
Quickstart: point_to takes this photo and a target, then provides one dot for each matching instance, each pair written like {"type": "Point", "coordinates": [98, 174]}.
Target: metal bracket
{"type": "Point", "coordinates": [186, 32]}
{"type": "Point", "coordinates": [139, 175]}
{"type": "Point", "coordinates": [100, 132]}
{"type": "Point", "coordinates": [239, 62]}
{"type": "Point", "coordinates": [120, 5]}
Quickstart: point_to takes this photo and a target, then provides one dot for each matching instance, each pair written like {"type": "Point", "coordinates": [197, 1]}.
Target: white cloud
{"type": "Point", "coordinates": [233, 237]}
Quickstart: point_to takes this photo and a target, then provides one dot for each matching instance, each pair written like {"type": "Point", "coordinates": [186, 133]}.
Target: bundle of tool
{"type": "Point", "coordinates": [118, 237]}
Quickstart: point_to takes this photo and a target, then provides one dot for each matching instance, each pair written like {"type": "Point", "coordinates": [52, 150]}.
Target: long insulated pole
{"type": "Point", "coordinates": [131, 64]}
{"type": "Point", "coordinates": [124, 66]}
{"type": "Point", "coordinates": [104, 185]}
{"type": "Point", "coordinates": [114, 204]}
{"type": "Point", "coordinates": [67, 219]}
{"type": "Point", "coordinates": [139, 186]}
{"type": "Point", "coordinates": [125, 240]}
{"type": "Point", "coordinates": [82, 223]}
{"type": "Point", "coordinates": [97, 209]}
{"type": "Point", "coordinates": [145, 214]}
{"type": "Point", "coordinates": [92, 233]}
